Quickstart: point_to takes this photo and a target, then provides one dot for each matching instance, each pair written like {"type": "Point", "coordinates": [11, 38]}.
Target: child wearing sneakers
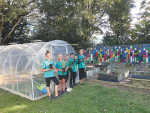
{"type": "Point", "coordinates": [73, 63]}
{"type": "Point", "coordinates": [62, 67]}
{"type": "Point", "coordinates": [81, 66]}
{"type": "Point", "coordinates": [49, 74]}
{"type": "Point", "coordinates": [67, 76]}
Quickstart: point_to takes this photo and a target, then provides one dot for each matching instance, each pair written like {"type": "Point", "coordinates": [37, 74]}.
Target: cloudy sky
{"type": "Point", "coordinates": [134, 13]}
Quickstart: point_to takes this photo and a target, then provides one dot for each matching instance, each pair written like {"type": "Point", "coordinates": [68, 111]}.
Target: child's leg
{"type": "Point", "coordinates": [80, 80]}
{"type": "Point", "coordinates": [56, 90]}
{"type": "Point", "coordinates": [63, 84]}
{"type": "Point", "coordinates": [60, 85]}
{"type": "Point", "coordinates": [67, 85]}
{"type": "Point", "coordinates": [56, 86]}
{"type": "Point", "coordinates": [80, 75]}
{"type": "Point", "coordinates": [48, 91]}
{"type": "Point", "coordinates": [48, 86]}
{"type": "Point", "coordinates": [60, 82]}
{"type": "Point", "coordinates": [74, 77]}
{"type": "Point", "coordinates": [71, 78]}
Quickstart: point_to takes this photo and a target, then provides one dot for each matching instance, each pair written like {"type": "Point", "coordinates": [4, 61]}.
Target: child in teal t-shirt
{"type": "Point", "coordinates": [73, 63]}
{"type": "Point", "coordinates": [81, 66]}
{"type": "Point", "coordinates": [68, 73]}
{"type": "Point", "coordinates": [49, 74]}
{"type": "Point", "coordinates": [62, 68]}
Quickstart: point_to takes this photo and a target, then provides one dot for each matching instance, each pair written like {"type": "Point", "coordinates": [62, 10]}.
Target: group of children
{"type": "Point", "coordinates": [67, 68]}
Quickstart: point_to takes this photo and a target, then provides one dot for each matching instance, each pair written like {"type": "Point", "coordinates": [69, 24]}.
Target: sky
{"type": "Point", "coordinates": [134, 12]}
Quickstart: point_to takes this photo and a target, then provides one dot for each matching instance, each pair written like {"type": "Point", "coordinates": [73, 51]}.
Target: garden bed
{"type": "Point", "coordinates": [113, 75]}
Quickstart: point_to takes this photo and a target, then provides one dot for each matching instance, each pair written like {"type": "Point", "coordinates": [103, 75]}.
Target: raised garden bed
{"type": "Point", "coordinates": [141, 78]}
{"type": "Point", "coordinates": [104, 66]}
{"type": "Point", "coordinates": [91, 71]}
{"type": "Point", "coordinates": [141, 82]}
{"type": "Point", "coordinates": [113, 75]}
{"type": "Point", "coordinates": [132, 67]}
{"type": "Point", "coordinates": [146, 68]}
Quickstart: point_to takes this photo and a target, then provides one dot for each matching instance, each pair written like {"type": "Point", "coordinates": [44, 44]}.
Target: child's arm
{"type": "Point", "coordinates": [58, 69]}
{"type": "Point", "coordinates": [66, 67]}
{"type": "Point", "coordinates": [83, 59]}
{"type": "Point", "coordinates": [76, 59]}
{"type": "Point", "coordinates": [80, 59]}
{"type": "Point", "coordinates": [44, 70]}
{"type": "Point", "coordinates": [53, 65]}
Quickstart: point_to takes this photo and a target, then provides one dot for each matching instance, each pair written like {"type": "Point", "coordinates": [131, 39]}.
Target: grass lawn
{"type": "Point", "coordinates": [90, 98]}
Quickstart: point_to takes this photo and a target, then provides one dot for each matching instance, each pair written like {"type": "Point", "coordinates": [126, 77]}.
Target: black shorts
{"type": "Point", "coordinates": [62, 77]}
{"type": "Point", "coordinates": [54, 79]}
{"type": "Point", "coordinates": [67, 76]}
{"type": "Point", "coordinates": [73, 75]}
{"type": "Point", "coordinates": [81, 73]}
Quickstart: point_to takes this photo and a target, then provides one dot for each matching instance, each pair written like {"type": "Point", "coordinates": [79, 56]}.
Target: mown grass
{"type": "Point", "coordinates": [89, 98]}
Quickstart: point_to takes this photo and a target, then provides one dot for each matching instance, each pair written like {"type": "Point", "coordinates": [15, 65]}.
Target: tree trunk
{"type": "Point", "coordinates": [1, 28]}
{"type": "Point", "coordinates": [11, 30]}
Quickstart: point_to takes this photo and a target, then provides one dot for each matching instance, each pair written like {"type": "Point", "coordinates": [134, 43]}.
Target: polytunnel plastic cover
{"type": "Point", "coordinates": [20, 66]}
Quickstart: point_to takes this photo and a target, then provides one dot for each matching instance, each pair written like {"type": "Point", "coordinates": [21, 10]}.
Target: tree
{"type": "Point", "coordinates": [140, 34]}
{"type": "Point", "coordinates": [19, 34]}
{"type": "Point", "coordinates": [73, 21]}
{"type": "Point", "coordinates": [11, 13]}
{"type": "Point", "coordinates": [119, 19]}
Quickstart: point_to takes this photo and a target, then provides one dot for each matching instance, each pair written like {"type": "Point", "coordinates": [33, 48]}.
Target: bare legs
{"type": "Point", "coordinates": [62, 84]}
{"type": "Point", "coordinates": [48, 91]}
{"type": "Point", "coordinates": [56, 90]}
{"type": "Point", "coordinates": [67, 85]}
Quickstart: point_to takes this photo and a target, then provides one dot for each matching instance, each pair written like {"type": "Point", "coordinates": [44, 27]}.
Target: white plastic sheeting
{"type": "Point", "coordinates": [20, 66]}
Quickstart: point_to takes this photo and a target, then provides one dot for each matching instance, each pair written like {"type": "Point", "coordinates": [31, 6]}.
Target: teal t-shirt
{"type": "Point", "coordinates": [74, 65]}
{"type": "Point", "coordinates": [68, 64]}
{"type": "Point", "coordinates": [59, 66]}
{"type": "Point", "coordinates": [81, 63]}
{"type": "Point", "coordinates": [45, 65]}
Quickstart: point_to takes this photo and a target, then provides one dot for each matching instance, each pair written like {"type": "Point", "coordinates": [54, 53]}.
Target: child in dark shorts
{"type": "Point", "coordinates": [68, 73]}
{"type": "Point", "coordinates": [60, 65]}
{"type": "Point", "coordinates": [49, 75]}
{"type": "Point", "coordinates": [73, 63]}
{"type": "Point", "coordinates": [81, 66]}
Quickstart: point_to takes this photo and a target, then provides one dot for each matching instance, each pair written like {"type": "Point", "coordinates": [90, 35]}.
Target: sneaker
{"type": "Point", "coordinates": [61, 92]}
{"type": "Point", "coordinates": [83, 83]}
{"type": "Point", "coordinates": [60, 95]}
{"type": "Point", "coordinates": [51, 98]}
{"type": "Point", "coordinates": [71, 86]}
{"type": "Point", "coordinates": [75, 85]}
{"type": "Point", "coordinates": [57, 96]}
{"type": "Point", "coordinates": [68, 90]}
{"type": "Point", "coordinates": [64, 92]}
